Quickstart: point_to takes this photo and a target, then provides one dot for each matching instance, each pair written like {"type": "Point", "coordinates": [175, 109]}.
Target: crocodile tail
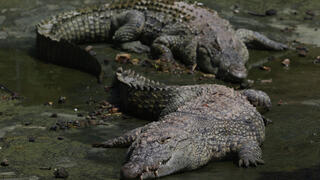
{"type": "Point", "coordinates": [58, 36]}
{"type": "Point", "coordinates": [141, 96]}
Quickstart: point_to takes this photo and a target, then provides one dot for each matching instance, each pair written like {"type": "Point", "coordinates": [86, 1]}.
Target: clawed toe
{"type": "Point", "coordinates": [246, 162]}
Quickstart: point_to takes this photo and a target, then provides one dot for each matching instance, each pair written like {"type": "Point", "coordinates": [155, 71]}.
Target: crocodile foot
{"type": "Point", "coordinates": [135, 46]}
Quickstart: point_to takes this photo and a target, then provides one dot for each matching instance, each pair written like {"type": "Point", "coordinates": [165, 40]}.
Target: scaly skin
{"type": "Point", "coordinates": [197, 123]}
{"type": "Point", "coordinates": [170, 28]}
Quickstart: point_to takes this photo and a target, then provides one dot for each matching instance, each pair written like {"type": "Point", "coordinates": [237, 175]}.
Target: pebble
{"type": "Point", "coordinates": [236, 11]}
{"type": "Point", "coordinates": [4, 162]}
{"type": "Point", "coordinates": [60, 173]}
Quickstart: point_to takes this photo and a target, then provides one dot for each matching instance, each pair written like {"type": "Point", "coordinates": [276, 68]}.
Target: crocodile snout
{"type": "Point", "coordinates": [130, 170]}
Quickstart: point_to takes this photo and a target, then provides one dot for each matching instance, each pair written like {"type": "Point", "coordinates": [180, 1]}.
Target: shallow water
{"type": "Point", "coordinates": [292, 146]}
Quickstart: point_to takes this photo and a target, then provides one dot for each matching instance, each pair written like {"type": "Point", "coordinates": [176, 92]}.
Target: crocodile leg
{"type": "Point", "coordinates": [128, 26]}
{"type": "Point", "coordinates": [124, 140]}
{"type": "Point", "coordinates": [250, 153]}
{"type": "Point", "coordinates": [257, 98]}
{"type": "Point", "coordinates": [167, 47]}
{"type": "Point", "coordinates": [256, 40]}
{"type": "Point", "coordinates": [135, 46]}
{"type": "Point", "coordinates": [163, 45]}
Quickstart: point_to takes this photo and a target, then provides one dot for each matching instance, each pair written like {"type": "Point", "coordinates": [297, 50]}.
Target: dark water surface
{"type": "Point", "coordinates": [292, 146]}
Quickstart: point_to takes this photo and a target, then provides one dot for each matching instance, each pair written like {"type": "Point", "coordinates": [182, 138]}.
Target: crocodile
{"type": "Point", "coordinates": [196, 124]}
{"type": "Point", "coordinates": [168, 29]}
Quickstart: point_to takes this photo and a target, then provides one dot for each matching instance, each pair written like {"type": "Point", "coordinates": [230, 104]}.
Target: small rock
{"type": "Point", "coordinates": [75, 109]}
{"type": "Point", "coordinates": [54, 115]}
{"type": "Point", "coordinates": [62, 100]}
{"type": "Point", "coordinates": [208, 76]}
{"type": "Point", "coordinates": [317, 60]}
{"type": "Point", "coordinates": [4, 162]}
{"type": "Point", "coordinates": [266, 68]}
{"type": "Point", "coordinates": [32, 139]}
{"type": "Point", "coordinates": [61, 173]}
{"type": "Point", "coordinates": [286, 62]}
{"type": "Point", "coordinates": [236, 11]}
{"type": "Point", "coordinates": [123, 58]}
{"type": "Point", "coordinates": [266, 81]}
{"type": "Point", "coordinates": [271, 12]}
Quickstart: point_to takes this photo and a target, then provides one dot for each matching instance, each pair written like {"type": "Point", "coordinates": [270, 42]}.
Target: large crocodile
{"type": "Point", "coordinates": [172, 28]}
{"type": "Point", "coordinates": [197, 123]}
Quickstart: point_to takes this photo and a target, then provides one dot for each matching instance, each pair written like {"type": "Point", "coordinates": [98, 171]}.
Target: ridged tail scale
{"type": "Point", "coordinates": [149, 99]}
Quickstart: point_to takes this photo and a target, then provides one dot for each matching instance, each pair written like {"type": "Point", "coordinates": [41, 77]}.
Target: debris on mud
{"type": "Point", "coordinates": [286, 62]}
{"type": "Point", "coordinates": [123, 58]}
{"type": "Point", "coordinates": [265, 68]}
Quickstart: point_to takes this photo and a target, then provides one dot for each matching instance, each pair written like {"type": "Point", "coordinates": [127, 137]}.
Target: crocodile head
{"type": "Point", "coordinates": [227, 61]}
{"type": "Point", "coordinates": [151, 157]}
